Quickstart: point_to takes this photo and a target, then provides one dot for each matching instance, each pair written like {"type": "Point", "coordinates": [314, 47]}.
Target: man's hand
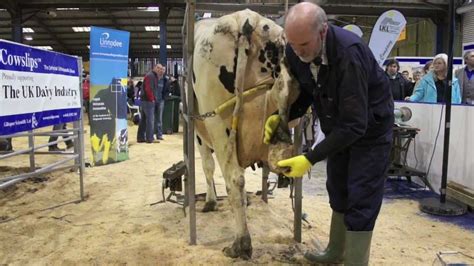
{"type": "Point", "coordinates": [270, 126]}
{"type": "Point", "coordinates": [297, 166]}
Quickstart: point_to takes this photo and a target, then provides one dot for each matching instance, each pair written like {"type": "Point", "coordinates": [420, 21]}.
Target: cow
{"type": "Point", "coordinates": [235, 53]}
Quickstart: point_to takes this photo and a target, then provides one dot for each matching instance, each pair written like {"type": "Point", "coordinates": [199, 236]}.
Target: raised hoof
{"type": "Point", "coordinates": [210, 206]}
{"type": "Point", "coordinates": [242, 247]}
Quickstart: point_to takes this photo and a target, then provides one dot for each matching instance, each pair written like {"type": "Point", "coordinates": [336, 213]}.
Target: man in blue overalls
{"type": "Point", "coordinates": [339, 76]}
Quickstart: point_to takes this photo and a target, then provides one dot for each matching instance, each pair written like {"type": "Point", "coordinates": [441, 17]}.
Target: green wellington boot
{"type": "Point", "coordinates": [334, 252]}
{"type": "Point", "coordinates": [357, 247]}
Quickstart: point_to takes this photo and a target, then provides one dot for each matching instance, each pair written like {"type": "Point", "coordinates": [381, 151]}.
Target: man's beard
{"type": "Point", "coordinates": [306, 59]}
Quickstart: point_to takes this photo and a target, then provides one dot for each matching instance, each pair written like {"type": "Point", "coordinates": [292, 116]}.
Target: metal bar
{"type": "Point", "coordinates": [298, 183]}
{"type": "Point", "coordinates": [191, 5]}
{"type": "Point", "coordinates": [447, 97]}
{"type": "Point", "coordinates": [22, 177]}
{"type": "Point", "coordinates": [60, 132]}
{"type": "Point", "coordinates": [11, 154]}
{"type": "Point", "coordinates": [31, 144]}
{"type": "Point", "coordinates": [265, 173]}
{"type": "Point", "coordinates": [79, 147]}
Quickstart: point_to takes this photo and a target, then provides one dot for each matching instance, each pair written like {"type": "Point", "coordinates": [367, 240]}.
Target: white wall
{"type": "Point", "coordinates": [426, 117]}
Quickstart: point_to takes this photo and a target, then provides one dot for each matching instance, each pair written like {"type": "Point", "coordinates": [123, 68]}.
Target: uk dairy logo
{"type": "Point", "coordinates": [19, 60]}
{"type": "Point", "coordinates": [106, 42]}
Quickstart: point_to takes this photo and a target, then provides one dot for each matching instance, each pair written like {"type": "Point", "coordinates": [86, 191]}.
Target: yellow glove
{"type": "Point", "coordinates": [297, 166]}
{"type": "Point", "coordinates": [270, 126]}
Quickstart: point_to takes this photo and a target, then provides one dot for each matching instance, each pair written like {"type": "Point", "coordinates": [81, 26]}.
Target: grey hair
{"type": "Point", "coordinates": [320, 19]}
{"type": "Point", "coordinates": [467, 53]}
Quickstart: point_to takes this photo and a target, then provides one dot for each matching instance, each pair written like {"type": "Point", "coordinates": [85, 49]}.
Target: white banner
{"type": "Point", "coordinates": [38, 88]}
{"type": "Point", "coordinates": [385, 34]}
{"type": "Point", "coordinates": [37, 92]}
{"type": "Point", "coordinates": [354, 29]}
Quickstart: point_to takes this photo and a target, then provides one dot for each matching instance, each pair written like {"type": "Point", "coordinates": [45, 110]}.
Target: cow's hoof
{"type": "Point", "coordinates": [210, 206]}
{"type": "Point", "coordinates": [242, 247]}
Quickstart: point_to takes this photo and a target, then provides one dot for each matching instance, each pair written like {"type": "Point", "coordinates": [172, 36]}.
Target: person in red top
{"type": "Point", "coordinates": [86, 93]}
{"type": "Point", "coordinates": [147, 110]}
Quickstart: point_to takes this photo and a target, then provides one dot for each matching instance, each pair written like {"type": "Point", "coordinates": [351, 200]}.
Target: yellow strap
{"type": "Point", "coordinates": [232, 100]}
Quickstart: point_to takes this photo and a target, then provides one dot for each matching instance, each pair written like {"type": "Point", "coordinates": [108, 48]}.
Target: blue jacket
{"type": "Point", "coordinates": [351, 96]}
{"type": "Point", "coordinates": [426, 90]}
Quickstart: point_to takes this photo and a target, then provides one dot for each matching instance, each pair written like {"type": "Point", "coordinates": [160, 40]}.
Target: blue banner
{"type": "Point", "coordinates": [108, 95]}
{"type": "Point", "coordinates": [38, 88]}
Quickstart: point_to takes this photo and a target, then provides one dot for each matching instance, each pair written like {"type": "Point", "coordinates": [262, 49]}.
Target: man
{"type": "Point", "coordinates": [466, 79]}
{"type": "Point", "coordinates": [160, 93]}
{"type": "Point", "coordinates": [399, 85]}
{"type": "Point", "coordinates": [350, 93]}
{"type": "Point", "coordinates": [147, 110]}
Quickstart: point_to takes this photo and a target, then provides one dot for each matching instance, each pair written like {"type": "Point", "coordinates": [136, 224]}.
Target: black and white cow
{"type": "Point", "coordinates": [240, 49]}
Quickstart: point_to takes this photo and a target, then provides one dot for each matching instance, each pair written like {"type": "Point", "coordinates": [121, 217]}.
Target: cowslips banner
{"type": "Point", "coordinates": [385, 34]}
{"type": "Point", "coordinates": [38, 88]}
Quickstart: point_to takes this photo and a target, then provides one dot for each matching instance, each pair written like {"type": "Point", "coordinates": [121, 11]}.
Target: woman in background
{"type": "Point", "coordinates": [432, 86]}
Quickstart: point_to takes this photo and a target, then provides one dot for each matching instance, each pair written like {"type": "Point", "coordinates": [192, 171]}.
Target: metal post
{"type": "Point", "coordinates": [163, 31]}
{"type": "Point", "coordinates": [298, 183]}
{"type": "Point", "coordinates": [191, 6]}
{"type": "Point", "coordinates": [31, 144]}
{"type": "Point", "coordinates": [79, 145]}
{"type": "Point", "coordinates": [265, 173]}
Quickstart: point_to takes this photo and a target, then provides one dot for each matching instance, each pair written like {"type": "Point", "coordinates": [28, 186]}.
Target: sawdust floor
{"type": "Point", "coordinates": [117, 225]}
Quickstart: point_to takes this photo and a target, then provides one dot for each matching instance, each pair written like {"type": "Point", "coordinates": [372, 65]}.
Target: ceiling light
{"type": "Point", "coordinates": [81, 29]}
{"type": "Point", "coordinates": [149, 9]}
{"type": "Point", "coordinates": [45, 47]}
{"type": "Point", "coordinates": [207, 15]}
{"type": "Point", "coordinates": [28, 38]}
{"type": "Point", "coordinates": [157, 46]}
{"type": "Point", "coordinates": [152, 28]}
{"type": "Point", "coordinates": [28, 30]}
{"type": "Point", "coordinates": [67, 8]}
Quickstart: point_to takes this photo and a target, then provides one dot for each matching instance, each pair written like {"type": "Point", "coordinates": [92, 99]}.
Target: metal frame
{"type": "Point", "coordinates": [77, 155]}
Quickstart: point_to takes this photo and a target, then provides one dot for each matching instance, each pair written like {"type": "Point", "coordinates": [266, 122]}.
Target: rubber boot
{"type": "Point", "coordinates": [357, 247]}
{"type": "Point", "coordinates": [334, 252]}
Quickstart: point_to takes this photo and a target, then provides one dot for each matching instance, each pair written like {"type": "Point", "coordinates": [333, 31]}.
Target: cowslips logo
{"type": "Point", "coordinates": [389, 25]}
{"type": "Point", "coordinates": [23, 60]}
{"type": "Point", "coordinates": [105, 41]}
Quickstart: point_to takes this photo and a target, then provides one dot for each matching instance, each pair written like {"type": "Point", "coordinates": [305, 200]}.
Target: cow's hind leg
{"type": "Point", "coordinates": [235, 185]}
{"type": "Point", "coordinates": [208, 166]}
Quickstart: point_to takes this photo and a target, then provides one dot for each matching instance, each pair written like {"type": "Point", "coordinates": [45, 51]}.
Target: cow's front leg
{"type": "Point", "coordinates": [242, 246]}
{"type": "Point", "coordinates": [208, 166]}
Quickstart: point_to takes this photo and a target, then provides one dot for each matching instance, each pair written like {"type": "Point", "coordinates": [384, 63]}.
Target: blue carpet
{"type": "Point", "coordinates": [396, 188]}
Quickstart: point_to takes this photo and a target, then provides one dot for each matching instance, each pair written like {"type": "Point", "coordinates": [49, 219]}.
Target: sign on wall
{"type": "Point", "coordinates": [38, 88]}
{"type": "Point", "coordinates": [108, 95]}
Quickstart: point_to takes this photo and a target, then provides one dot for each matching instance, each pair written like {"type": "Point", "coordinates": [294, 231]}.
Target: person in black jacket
{"type": "Point", "coordinates": [399, 85]}
{"type": "Point", "coordinates": [340, 77]}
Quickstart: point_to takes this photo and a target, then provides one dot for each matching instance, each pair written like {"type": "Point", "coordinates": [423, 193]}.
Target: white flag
{"type": "Point", "coordinates": [354, 29]}
{"type": "Point", "coordinates": [385, 34]}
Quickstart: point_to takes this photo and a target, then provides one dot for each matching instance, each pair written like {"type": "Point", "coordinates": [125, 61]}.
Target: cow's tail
{"type": "Point", "coordinates": [243, 45]}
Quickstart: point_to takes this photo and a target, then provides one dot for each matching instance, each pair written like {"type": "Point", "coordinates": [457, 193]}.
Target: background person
{"type": "Point", "coordinates": [433, 85]}
{"type": "Point", "coordinates": [465, 77]}
{"type": "Point", "coordinates": [147, 106]}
